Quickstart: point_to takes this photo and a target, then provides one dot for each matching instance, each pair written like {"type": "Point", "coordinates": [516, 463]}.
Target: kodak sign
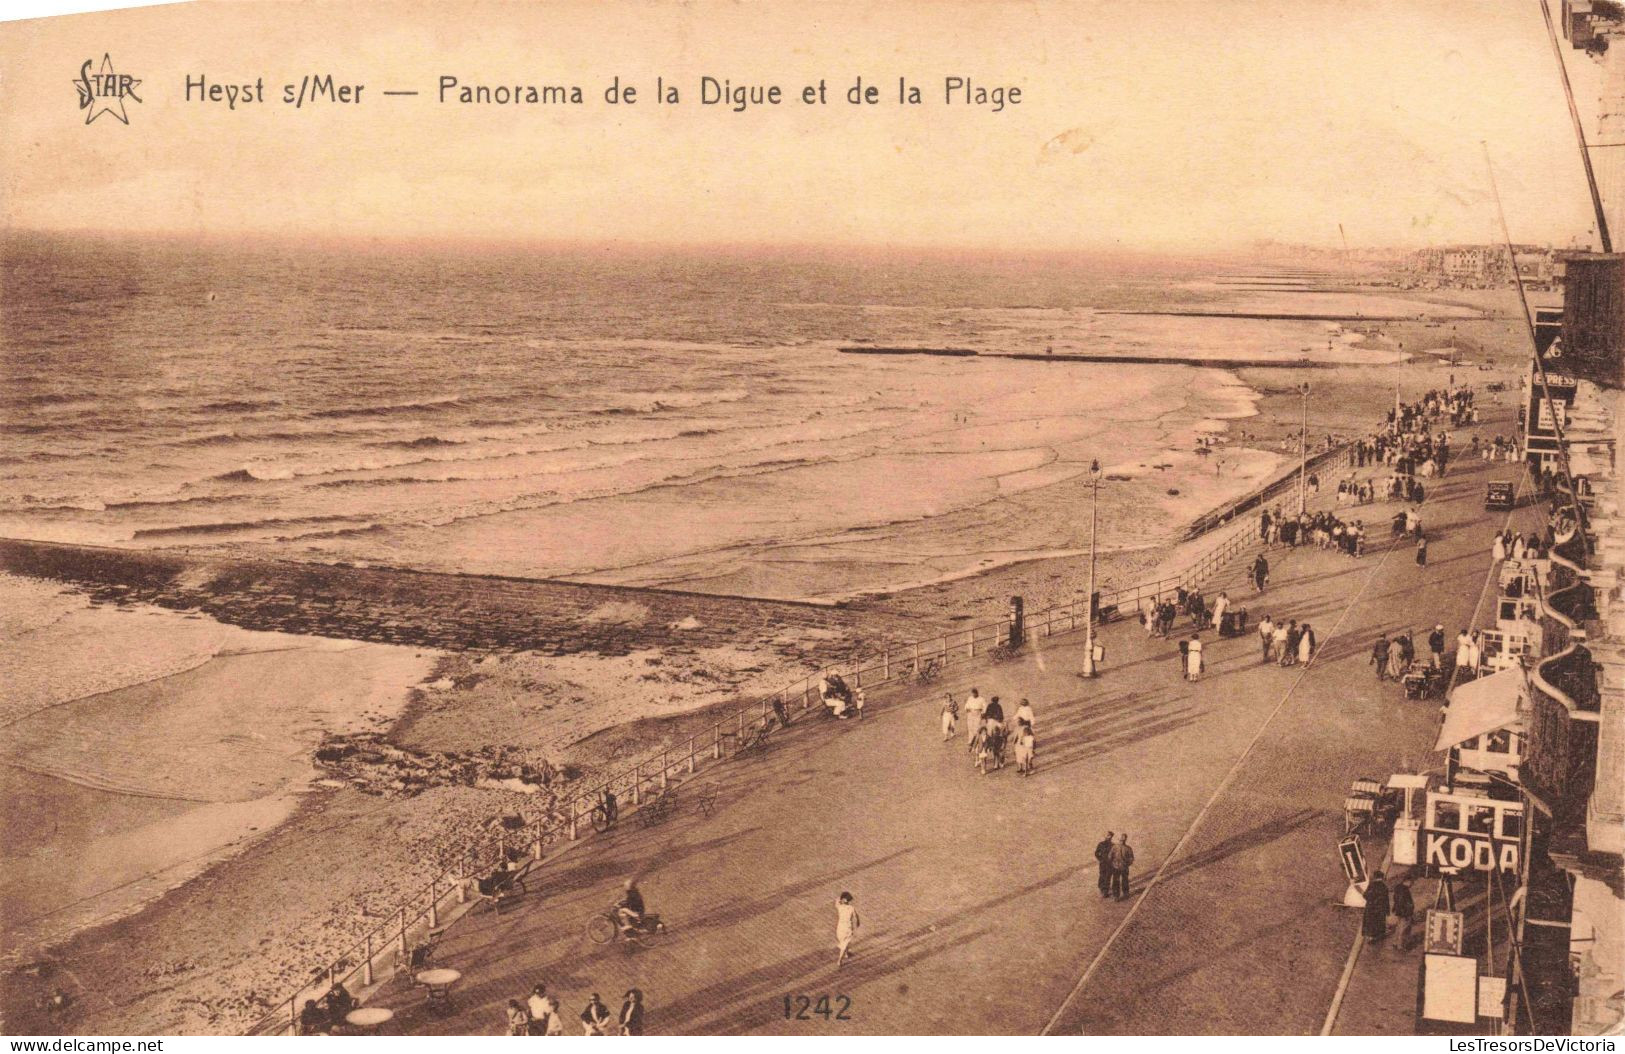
{"type": "Point", "coordinates": [1469, 852]}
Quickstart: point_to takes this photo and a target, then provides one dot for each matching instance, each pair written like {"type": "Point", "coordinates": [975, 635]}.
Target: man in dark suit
{"type": "Point", "coordinates": [1103, 852]}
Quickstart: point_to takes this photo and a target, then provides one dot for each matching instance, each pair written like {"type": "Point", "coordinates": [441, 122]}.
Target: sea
{"type": "Point", "coordinates": [679, 418]}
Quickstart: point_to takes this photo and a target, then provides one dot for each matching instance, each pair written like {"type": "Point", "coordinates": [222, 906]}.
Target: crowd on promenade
{"type": "Point", "coordinates": [989, 735]}
{"type": "Point", "coordinates": [540, 1014]}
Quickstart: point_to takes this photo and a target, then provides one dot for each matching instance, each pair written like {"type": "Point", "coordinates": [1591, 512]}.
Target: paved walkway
{"type": "Point", "coordinates": [978, 894]}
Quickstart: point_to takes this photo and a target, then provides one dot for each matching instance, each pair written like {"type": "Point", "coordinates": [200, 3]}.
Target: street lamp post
{"type": "Point", "coordinates": [1303, 452]}
{"type": "Point", "coordinates": [1089, 617]}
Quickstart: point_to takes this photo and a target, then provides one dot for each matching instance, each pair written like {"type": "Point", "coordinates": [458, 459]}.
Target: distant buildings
{"type": "Point", "coordinates": [1483, 266]}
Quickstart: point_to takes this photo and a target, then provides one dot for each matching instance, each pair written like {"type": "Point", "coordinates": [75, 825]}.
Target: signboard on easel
{"type": "Point", "coordinates": [1444, 932]}
{"type": "Point", "coordinates": [1348, 850]}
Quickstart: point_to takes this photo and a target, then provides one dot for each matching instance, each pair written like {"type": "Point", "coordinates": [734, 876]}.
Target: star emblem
{"type": "Point", "coordinates": [104, 92]}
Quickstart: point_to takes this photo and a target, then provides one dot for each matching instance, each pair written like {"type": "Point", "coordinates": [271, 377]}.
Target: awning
{"type": "Point", "coordinates": [1481, 706]}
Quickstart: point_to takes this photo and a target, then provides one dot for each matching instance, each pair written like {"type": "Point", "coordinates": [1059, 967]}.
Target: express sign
{"type": "Point", "coordinates": [1468, 852]}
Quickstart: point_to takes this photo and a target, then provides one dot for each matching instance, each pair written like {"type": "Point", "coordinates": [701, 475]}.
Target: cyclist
{"type": "Point", "coordinates": [629, 911]}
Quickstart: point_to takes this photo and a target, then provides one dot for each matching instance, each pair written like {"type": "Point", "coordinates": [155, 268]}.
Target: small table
{"type": "Point", "coordinates": [439, 983]}
{"type": "Point", "coordinates": [370, 1018]}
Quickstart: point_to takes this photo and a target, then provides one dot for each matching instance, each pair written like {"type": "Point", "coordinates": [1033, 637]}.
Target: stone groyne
{"type": "Point", "coordinates": [436, 610]}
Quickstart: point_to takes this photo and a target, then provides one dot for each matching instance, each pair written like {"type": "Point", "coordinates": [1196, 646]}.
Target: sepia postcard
{"type": "Point", "coordinates": [820, 519]}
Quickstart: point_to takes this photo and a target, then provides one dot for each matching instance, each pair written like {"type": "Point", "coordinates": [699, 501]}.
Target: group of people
{"type": "Point", "coordinates": [1114, 857]}
{"type": "Point", "coordinates": [1509, 545]}
{"type": "Point", "coordinates": [1286, 643]}
{"type": "Point", "coordinates": [1394, 657]}
{"type": "Point", "coordinates": [987, 733]}
{"type": "Point", "coordinates": [541, 1015]}
{"type": "Point", "coordinates": [320, 1017]}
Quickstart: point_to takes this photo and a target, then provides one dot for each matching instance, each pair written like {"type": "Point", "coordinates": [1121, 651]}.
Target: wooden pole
{"type": "Point", "coordinates": [691, 755]}
{"type": "Point", "coordinates": [366, 971]}
{"type": "Point", "coordinates": [434, 903]}
{"type": "Point", "coordinates": [403, 932]}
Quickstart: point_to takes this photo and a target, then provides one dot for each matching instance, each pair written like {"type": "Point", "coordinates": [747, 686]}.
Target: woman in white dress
{"type": "Point", "coordinates": [846, 926]}
{"type": "Point", "coordinates": [1193, 659]}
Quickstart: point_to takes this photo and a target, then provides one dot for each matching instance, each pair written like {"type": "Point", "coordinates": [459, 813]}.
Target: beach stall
{"type": "Point", "coordinates": [1483, 726]}
{"type": "Point", "coordinates": [1467, 831]}
{"type": "Point", "coordinates": [1409, 791]}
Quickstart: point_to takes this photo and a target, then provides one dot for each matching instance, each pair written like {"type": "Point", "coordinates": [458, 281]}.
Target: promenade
{"type": "Point", "coordinates": [978, 894]}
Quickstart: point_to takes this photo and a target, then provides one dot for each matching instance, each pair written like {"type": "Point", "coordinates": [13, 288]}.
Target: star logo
{"type": "Point", "coordinates": [105, 92]}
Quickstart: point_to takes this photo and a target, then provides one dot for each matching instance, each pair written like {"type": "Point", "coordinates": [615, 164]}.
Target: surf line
{"type": "Point", "coordinates": [1224, 785]}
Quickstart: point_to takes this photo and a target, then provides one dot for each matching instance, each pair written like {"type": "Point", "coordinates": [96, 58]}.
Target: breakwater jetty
{"type": "Point", "coordinates": [440, 610]}
{"type": "Point", "coordinates": [1113, 357]}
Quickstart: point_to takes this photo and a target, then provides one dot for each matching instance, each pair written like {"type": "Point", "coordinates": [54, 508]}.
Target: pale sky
{"type": "Point", "coordinates": [1143, 125]}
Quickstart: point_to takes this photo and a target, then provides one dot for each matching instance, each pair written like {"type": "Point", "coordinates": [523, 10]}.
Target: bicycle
{"type": "Point", "coordinates": [659, 809]}
{"type": "Point", "coordinates": [606, 812]}
{"type": "Point", "coordinates": [1003, 651]}
{"type": "Point", "coordinates": [928, 671]}
{"type": "Point", "coordinates": [606, 926]}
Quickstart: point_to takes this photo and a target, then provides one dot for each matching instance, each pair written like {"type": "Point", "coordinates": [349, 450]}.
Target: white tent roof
{"type": "Point", "coordinates": [1481, 706]}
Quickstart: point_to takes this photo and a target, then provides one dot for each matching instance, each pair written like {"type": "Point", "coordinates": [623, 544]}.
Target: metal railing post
{"type": "Point", "coordinates": [366, 971]}
{"type": "Point", "coordinates": [575, 804]}
{"type": "Point", "coordinates": [691, 755]}
{"type": "Point", "coordinates": [665, 767]}
{"type": "Point", "coordinates": [403, 933]}
{"type": "Point", "coordinates": [637, 783]}
{"type": "Point", "coordinates": [434, 903]}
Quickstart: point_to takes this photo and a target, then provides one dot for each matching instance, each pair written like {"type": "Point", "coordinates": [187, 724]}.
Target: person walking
{"type": "Point", "coordinates": [1404, 908]}
{"type": "Point", "coordinates": [1421, 551]}
{"type": "Point", "coordinates": [847, 923]}
{"type": "Point", "coordinates": [1121, 859]}
{"type": "Point", "coordinates": [1306, 644]}
{"type": "Point", "coordinates": [1193, 668]}
{"type": "Point", "coordinates": [1024, 748]}
{"type": "Point", "coordinates": [1464, 650]}
{"type": "Point", "coordinates": [1266, 631]}
{"type": "Point", "coordinates": [1375, 923]}
{"type": "Point", "coordinates": [1289, 649]}
{"type": "Point", "coordinates": [631, 1020]}
{"type": "Point", "coordinates": [518, 1019]}
{"type": "Point", "coordinates": [974, 706]}
{"type": "Point", "coordinates": [1379, 657]}
{"type": "Point", "coordinates": [1436, 647]}
{"type": "Point", "coordinates": [950, 718]}
{"type": "Point", "coordinates": [1103, 857]}
{"type": "Point", "coordinates": [542, 1010]}
{"type": "Point", "coordinates": [1278, 642]}
{"type": "Point", "coordinates": [1261, 573]}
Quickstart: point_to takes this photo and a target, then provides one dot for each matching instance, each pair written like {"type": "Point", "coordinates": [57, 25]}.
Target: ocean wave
{"type": "Point", "coordinates": [655, 402]}
{"type": "Point", "coordinates": [184, 530]}
{"type": "Point", "coordinates": [388, 409]}
{"type": "Point", "coordinates": [239, 406]}
{"type": "Point", "coordinates": [251, 475]}
{"type": "Point", "coordinates": [420, 443]}
{"type": "Point", "coordinates": [157, 503]}
{"type": "Point", "coordinates": [212, 439]}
